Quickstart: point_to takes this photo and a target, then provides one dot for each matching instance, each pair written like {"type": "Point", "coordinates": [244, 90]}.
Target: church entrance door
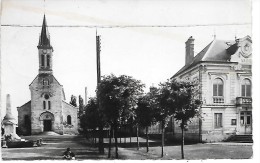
{"type": "Point", "coordinates": [47, 125]}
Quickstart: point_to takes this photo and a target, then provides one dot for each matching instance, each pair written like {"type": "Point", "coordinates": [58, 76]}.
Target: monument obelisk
{"type": "Point", "coordinates": [9, 122]}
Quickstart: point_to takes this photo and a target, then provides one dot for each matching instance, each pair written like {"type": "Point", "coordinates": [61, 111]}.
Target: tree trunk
{"type": "Point", "coordinates": [130, 136]}
{"type": "Point", "coordinates": [120, 135]}
{"type": "Point", "coordinates": [116, 145]}
{"type": "Point", "coordinates": [125, 135]}
{"type": "Point", "coordinates": [162, 138]}
{"type": "Point", "coordinates": [147, 140]}
{"type": "Point", "coordinates": [101, 141]}
{"type": "Point", "coordinates": [137, 137]}
{"type": "Point", "coordinates": [182, 144]}
{"type": "Point", "coordinates": [109, 147]}
{"type": "Point", "coordinates": [94, 137]}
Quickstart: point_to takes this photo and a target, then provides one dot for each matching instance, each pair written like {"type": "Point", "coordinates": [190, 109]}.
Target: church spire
{"type": "Point", "coordinates": [45, 50]}
{"type": "Point", "coordinates": [44, 40]}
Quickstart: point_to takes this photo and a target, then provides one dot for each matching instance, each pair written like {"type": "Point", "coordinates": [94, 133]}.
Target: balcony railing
{"type": "Point", "coordinates": [218, 100]}
{"type": "Point", "coordinates": [244, 100]}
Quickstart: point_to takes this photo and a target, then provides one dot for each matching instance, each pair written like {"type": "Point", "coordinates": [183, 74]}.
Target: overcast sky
{"type": "Point", "coordinates": [148, 53]}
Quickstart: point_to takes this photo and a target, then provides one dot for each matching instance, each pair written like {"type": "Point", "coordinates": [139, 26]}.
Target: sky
{"type": "Point", "coordinates": [143, 39]}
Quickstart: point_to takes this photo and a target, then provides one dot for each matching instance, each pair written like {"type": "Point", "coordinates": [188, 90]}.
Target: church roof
{"type": "Point", "coordinates": [216, 51]}
{"type": "Point", "coordinates": [65, 102]}
{"type": "Point", "coordinates": [44, 40]}
{"type": "Point", "coordinates": [24, 104]}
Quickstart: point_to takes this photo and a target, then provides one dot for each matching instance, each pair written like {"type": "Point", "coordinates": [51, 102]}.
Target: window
{"type": "Point", "coordinates": [218, 87]}
{"type": "Point", "coordinates": [49, 105]}
{"type": "Point", "coordinates": [218, 120]}
{"type": "Point", "coordinates": [45, 82]}
{"type": "Point", "coordinates": [44, 105]}
{"type": "Point", "coordinates": [42, 59]}
{"type": "Point", "coordinates": [246, 88]}
{"type": "Point", "coordinates": [69, 120]}
{"type": "Point", "coordinates": [48, 61]}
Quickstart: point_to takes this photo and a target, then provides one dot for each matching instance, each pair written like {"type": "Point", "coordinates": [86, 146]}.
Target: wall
{"type": "Point", "coordinates": [22, 111]}
{"type": "Point", "coordinates": [73, 112]}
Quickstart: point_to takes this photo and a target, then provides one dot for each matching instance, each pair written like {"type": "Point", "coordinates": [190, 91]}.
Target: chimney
{"type": "Point", "coordinates": [189, 50]}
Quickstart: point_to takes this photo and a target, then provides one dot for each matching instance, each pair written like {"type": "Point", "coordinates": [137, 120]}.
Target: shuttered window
{"type": "Point", "coordinates": [218, 120]}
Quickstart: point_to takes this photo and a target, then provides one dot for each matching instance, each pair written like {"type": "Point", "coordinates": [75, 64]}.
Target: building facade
{"type": "Point", "coordinates": [47, 110]}
{"type": "Point", "coordinates": [223, 71]}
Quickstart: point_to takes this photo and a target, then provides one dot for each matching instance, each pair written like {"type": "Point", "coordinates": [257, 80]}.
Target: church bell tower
{"type": "Point", "coordinates": [45, 50]}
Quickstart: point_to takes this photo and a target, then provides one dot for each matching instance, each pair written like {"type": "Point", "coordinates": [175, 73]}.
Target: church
{"type": "Point", "coordinates": [47, 110]}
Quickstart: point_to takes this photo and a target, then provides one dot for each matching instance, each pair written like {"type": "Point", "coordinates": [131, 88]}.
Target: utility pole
{"type": "Point", "coordinates": [100, 126]}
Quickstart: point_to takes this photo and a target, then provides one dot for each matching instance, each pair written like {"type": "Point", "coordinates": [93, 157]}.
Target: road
{"type": "Point", "coordinates": [54, 146]}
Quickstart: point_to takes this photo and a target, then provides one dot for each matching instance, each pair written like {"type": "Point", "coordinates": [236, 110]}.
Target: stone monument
{"type": "Point", "coordinates": [9, 123]}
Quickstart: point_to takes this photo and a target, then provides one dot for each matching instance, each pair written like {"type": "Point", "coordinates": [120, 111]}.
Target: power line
{"type": "Point", "coordinates": [125, 26]}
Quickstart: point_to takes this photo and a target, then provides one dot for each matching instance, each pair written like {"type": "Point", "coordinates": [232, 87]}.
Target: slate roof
{"type": "Point", "coordinates": [217, 51]}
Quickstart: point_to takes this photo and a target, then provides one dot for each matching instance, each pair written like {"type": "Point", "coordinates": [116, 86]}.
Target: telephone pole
{"type": "Point", "coordinates": [100, 126]}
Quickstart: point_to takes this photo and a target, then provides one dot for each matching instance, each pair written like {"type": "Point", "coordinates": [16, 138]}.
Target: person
{"type": "Point", "coordinates": [69, 155]}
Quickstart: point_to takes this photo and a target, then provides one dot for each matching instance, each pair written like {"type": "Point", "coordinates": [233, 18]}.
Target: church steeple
{"type": "Point", "coordinates": [44, 40]}
{"type": "Point", "coordinates": [45, 50]}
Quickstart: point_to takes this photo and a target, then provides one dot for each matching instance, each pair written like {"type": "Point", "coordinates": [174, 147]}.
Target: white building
{"type": "Point", "coordinates": [223, 69]}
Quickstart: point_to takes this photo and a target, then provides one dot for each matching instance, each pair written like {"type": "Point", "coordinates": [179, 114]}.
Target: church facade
{"type": "Point", "coordinates": [47, 110]}
{"type": "Point", "coordinates": [223, 71]}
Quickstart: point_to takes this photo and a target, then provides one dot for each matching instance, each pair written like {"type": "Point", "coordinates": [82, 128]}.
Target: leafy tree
{"type": "Point", "coordinates": [164, 108]}
{"type": "Point", "coordinates": [73, 100]}
{"type": "Point", "coordinates": [90, 120]}
{"type": "Point", "coordinates": [145, 112]}
{"type": "Point", "coordinates": [81, 106]}
{"type": "Point", "coordinates": [187, 102]}
{"type": "Point", "coordinates": [118, 97]}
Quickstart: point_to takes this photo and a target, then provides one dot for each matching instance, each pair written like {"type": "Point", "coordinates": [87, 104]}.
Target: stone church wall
{"type": "Point", "coordinates": [23, 111]}
{"type": "Point", "coordinates": [69, 110]}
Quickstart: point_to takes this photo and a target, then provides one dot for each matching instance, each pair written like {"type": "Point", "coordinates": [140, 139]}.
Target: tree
{"type": "Point", "coordinates": [145, 113]}
{"type": "Point", "coordinates": [118, 97]}
{"type": "Point", "coordinates": [81, 106]}
{"type": "Point", "coordinates": [73, 100]}
{"type": "Point", "coordinates": [187, 102]}
{"type": "Point", "coordinates": [164, 108]}
{"type": "Point", "coordinates": [90, 120]}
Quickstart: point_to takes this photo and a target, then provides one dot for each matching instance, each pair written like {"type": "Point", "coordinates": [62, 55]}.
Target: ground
{"type": "Point", "coordinates": [54, 146]}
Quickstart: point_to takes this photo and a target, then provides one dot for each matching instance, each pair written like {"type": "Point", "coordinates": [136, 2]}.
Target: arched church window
{"type": "Point", "coordinates": [69, 120]}
{"type": "Point", "coordinates": [246, 88]}
{"type": "Point", "coordinates": [44, 104]}
{"type": "Point", "coordinates": [48, 61]}
{"type": "Point", "coordinates": [218, 87]}
{"type": "Point", "coordinates": [49, 105]}
{"type": "Point", "coordinates": [42, 60]}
